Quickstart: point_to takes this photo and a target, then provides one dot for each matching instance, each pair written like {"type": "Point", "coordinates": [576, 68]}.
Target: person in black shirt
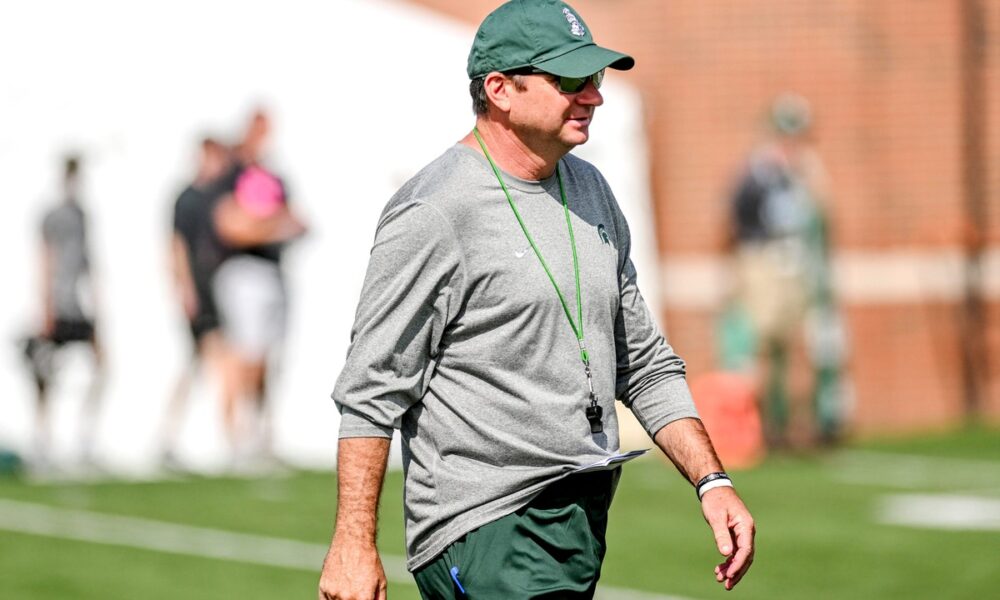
{"type": "Point", "coordinates": [196, 253]}
{"type": "Point", "coordinates": [784, 285]}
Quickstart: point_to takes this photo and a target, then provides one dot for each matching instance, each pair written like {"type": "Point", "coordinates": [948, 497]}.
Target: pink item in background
{"type": "Point", "coordinates": [259, 193]}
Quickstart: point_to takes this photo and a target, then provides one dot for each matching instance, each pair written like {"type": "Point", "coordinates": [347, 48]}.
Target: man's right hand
{"type": "Point", "coordinates": [352, 572]}
{"type": "Point", "coordinates": [352, 569]}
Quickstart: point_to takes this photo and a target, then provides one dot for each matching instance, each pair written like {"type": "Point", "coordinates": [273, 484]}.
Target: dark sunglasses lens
{"type": "Point", "coordinates": [575, 85]}
{"type": "Point", "coordinates": [572, 85]}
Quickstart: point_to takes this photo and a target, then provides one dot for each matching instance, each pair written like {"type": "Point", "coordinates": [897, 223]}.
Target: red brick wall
{"type": "Point", "coordinates": [991, 83]}
{"type": "Point", "coordinates": [992, 384]}
{"type": "Point", "coordinates": [885, 81]}
{"type": "Point", "coordinates": [908, 377]}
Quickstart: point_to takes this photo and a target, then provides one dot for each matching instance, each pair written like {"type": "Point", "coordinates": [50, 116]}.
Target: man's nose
{"type": "Point", "coordinates": [590, 95]}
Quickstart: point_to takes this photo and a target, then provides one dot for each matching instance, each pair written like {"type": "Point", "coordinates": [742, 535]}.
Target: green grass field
{"type": "Point", "coordinates": [821, 521]}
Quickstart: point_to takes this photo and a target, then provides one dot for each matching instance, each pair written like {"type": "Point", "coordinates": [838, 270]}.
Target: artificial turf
{"type": "Point", "coordinates": [818, 532]}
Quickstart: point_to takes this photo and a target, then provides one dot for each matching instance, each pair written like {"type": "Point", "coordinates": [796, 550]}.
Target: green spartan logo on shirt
{"type": "Point", "coordinates": [601, 231]}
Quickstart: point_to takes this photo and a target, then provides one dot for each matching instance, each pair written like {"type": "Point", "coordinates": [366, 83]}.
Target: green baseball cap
{"type": "Point", "coordinates": [545, 34]}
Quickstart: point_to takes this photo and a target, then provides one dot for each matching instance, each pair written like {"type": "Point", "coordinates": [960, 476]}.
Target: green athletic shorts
{"type": "Point", "coordinates": [551, 548]}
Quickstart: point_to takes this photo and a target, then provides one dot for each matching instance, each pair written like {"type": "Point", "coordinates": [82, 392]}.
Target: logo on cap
{"type": "Point", "coordinates": [574, 24]}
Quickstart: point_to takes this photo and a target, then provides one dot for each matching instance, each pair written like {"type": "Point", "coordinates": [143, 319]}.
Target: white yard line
{"type": "Point", "coordinates": [968, 498]}
{"type": "Point", "coordinates": [909, 471]}
{"type": "Point", "coordinates": [146, 534]}
{"type": "Point", "coordinates": [953, 512]}
{"type": "Point", "coordinates": [160, 536]}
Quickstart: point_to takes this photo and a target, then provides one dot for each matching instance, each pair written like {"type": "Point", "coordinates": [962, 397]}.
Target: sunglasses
{"type": "Point", "coordinates": [568, 85]}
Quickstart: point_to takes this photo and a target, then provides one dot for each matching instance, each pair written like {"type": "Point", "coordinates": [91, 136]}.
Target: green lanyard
{"type": "Point", "coordinates": [593, 411]}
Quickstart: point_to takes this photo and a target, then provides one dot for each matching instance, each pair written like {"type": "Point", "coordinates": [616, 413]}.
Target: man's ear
{"type": "Point", "coordinates": [497, 90]}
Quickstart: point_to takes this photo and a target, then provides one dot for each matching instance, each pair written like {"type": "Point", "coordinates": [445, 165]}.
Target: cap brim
{"type": "Point", "coordinates": [584, 61]}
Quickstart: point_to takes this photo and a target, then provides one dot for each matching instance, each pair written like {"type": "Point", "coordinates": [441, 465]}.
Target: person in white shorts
{"type": "Point", "coordinates": [249, 289]}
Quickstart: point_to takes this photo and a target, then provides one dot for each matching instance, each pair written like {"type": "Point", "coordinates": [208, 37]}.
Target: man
{"type": "Point", "coordinates": [498, 322]}
{"type": "Point", "coordinates": [196, 253]}
{"type": "Point", "coordinates": [69, 303]}
{"type": "Point", "coordinates": [780, 238]}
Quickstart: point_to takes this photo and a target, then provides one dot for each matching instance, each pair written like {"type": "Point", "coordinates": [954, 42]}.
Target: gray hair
{"type": "Point", "coordinates": [477, 89]}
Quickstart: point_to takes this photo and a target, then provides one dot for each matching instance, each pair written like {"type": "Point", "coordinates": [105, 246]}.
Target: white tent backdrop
{"type": "Point", "coordinates": [363, 93]}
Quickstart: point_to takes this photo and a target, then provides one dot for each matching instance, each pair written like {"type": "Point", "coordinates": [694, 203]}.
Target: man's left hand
{"type": "Point", "coordinates": [734, 531]}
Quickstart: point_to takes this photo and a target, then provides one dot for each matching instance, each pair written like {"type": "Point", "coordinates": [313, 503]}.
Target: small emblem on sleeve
{"type": "Point", "coordinates": [601, 231]}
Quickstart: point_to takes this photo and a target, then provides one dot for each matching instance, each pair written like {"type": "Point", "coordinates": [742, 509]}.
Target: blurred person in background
{"type": "Point", "coordinates": [253, 217]}
{"type": "Point", "coordinates": [196, 253]}
{"type": "Point", "coordinates": [69, 304]}
{"type": "Point", "coordinates": [501, 368]}
{"type": "Point", "coordinates": [784, 301]}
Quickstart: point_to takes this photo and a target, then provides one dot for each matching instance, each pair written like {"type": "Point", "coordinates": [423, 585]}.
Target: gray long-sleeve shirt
{"type": "Point", "coordinates": [460, 341]}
